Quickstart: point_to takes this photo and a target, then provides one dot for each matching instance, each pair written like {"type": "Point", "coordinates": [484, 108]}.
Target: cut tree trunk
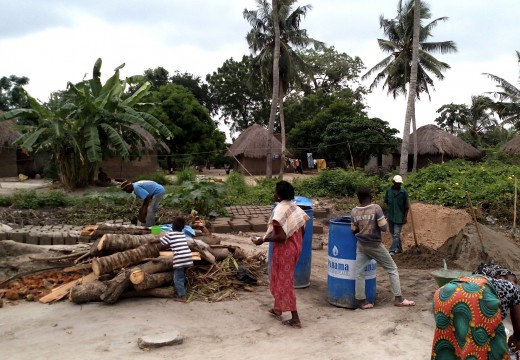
{"type": "Point", "coordinates": [81, 294]}
{"type": "Point", "coordinates": [150, 267]}
{"type": "Point", "coordinates": [106, 264]}
{"type": "Point", "coordinates": [112, 243]}
{"type": "Point", "coordinates": [61, 291]}
{"type": "Point", "coordinates": [151, 281]}
{"type": "Point", "coordinates": [220, 253]}
{"type": "Point", "coordinates": [116, 286]}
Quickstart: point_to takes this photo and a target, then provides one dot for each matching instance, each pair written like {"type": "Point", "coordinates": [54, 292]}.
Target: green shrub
{"type": "Point", "coordinates": [186, 174]}
{"type": "Point", "coordinates": [5, 201]}
{"type": "Point", "coordinates": [203, 196]}
{"type": "Point", "coordinates": [158, 176]}
{"type": "Point", "coordinates": [25, 199]}
{"type": "Point", "coordinates": [111, 198]}
{"type": "Point", "coordinates": [54, 198]}
{"type": "Point", "coordinates": [335, 183]}
{"type": "Point", "coordinates": [236, 184]}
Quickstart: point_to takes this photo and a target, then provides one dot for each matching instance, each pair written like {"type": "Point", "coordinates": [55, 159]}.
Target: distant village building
{"type": "Point", "coordinates": [512, 147]}
{"type": "Point", "coordinates": [250, 148]}
{"type": "Point", "coordinates": [434, 146]}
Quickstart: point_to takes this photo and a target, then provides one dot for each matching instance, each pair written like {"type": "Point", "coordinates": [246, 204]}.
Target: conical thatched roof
{"type": "Point", "coordinates": [512, 147]}
{"type": "Point", "coordinates": [253, 143]}
{"type": "Point", "coordinates": [7, 133]}
{"type": "Point", "coordinates": [432, 140]}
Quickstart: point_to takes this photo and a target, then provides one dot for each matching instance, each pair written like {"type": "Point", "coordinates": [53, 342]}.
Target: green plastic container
{"type": "Point", "coordinates": [444, 276]}
{"type": "Point", "coordinates": [156, 230]}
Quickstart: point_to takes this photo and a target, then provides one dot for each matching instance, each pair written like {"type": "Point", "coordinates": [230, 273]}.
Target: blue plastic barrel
{"type": "Point", "coordinates": [302, 271]}
{"type": "Point", "coordinates": [341, 281]}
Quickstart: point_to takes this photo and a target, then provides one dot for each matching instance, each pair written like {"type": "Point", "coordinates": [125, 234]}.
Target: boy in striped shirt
{"type": "Point", "coordinates": [177, 242]}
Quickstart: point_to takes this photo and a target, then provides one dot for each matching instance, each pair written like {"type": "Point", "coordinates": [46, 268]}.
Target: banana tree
{"type": "Point", "coordinates": [80, 124]}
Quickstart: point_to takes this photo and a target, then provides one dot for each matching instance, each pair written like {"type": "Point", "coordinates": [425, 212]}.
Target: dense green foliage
{"type": "Point", "coordinates": [30, 199]}
{"type": "Point", "coordinates": [186, 174]}
{"type": "Point", "coordinates": [203, 196]}
{"type": "Point", "coordinates": [12, 95]}
{"type": "Point", "coordinates": [196, 137]}
{"type": "Point", "coordinates": [490, 185]}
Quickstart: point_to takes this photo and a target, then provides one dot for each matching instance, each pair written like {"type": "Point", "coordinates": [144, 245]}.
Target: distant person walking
{"type": "Point", "coordinates": [151, 193]}
{"type": "Point", "coordinates": [396, 199]}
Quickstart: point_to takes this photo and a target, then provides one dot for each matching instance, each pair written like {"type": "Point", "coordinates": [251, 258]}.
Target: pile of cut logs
{"type": "Point", "coordinates": [126, 261]}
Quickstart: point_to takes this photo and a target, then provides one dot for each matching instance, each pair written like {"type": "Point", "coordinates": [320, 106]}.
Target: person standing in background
{"type": "Point", "coordinates": [396, 199]}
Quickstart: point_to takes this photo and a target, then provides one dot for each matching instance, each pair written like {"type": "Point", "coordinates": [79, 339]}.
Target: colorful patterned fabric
{"type": "Point", "coordinates": [285, 257]}
{"type": "Point", "coordinates": [493, 270]}
{"type": "Point", "coordinates": [468, 321]}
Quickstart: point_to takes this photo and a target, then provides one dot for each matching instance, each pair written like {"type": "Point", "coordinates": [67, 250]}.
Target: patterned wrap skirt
{"type": "Point", "coordinates": [468, 324]}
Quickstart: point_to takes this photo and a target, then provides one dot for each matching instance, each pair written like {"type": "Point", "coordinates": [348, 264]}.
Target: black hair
{"type": "Point", "coordinates": [364, 194]}
{"type": "Point", "coordinates": [178, 224]}
{"type": "Point", "coordinates": [285, 190]}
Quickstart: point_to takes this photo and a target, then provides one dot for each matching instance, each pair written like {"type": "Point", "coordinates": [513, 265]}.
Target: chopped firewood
{"type": "Point", "coordinates": [150, 267]}
{"type": "Point", "coordinates": [106, 264]}
{"type": "Point", "coordinates": [195, 256]}
{"type": "Point", "coordinates": [77, 267]}
{"type": "Point", "coordinates": [62, 291]}
{"type": "Point", "coordinates": [115, 287]}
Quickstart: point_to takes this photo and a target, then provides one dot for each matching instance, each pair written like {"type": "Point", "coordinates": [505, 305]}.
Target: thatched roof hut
{"type": "Point", "coordinates": [512, 147]}
{"type": "Point", "coordinates": [431, 140]}
{"type": "Point", "coordinates": [7, 133]}
{"type": "Point", "coordinates": [252, 143]}
{"type": "Point", "coordinates": [251, 150]}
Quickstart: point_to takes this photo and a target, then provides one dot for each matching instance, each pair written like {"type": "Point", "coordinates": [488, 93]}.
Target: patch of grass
{"type": "Point", "coordinates": [30, 199]}
{"type": "Point", "coordinates": [5, 201]}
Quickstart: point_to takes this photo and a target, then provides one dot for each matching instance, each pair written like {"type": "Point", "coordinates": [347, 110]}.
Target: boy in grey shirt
{"type": "Point", "coordinates": [368, 221]}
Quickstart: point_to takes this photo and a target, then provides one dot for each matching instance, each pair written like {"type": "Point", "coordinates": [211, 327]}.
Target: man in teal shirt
{"type": "Point", "coordinates": [151, 193]}
{"type": "Point", "coordinates": [396, 199]}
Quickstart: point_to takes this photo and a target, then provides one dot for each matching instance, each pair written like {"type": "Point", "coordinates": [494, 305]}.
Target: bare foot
{"type": "Point", "coordinates": [292, 323]}
{"type": "Point", "coordinates": [276, 314]}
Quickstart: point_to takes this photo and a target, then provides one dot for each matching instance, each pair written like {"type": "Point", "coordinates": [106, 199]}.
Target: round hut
{"type": "Point", "coordinates": [435, 145]}
{"type": "Point", "coordinates": [250, 149]}
{"type": "Point", "coordinates": [512, 147]}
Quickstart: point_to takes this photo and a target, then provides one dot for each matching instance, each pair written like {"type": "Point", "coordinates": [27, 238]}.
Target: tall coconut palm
{"type": "Point", "coordinates": [261, 39]}
{"type": "Point", "coordinates": [508, 104]}
{"type": "Point", "coordinates": [395, 69]}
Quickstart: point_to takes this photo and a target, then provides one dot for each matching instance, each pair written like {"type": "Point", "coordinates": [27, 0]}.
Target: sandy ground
{"type": "Point", "coordinates": [238, 329]}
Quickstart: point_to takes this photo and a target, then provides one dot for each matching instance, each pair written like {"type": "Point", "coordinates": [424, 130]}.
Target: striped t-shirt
{"type": "Point", "coordinates": [176, 240]}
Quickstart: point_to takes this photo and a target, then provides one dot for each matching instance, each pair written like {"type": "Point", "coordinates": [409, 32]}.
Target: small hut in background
{"type": "Point", "coordinates": [436, 146]}
{"type": "Point", "coordinates": [146, 163]}
{"type": "Point", "coordinates": [512, 147]}
{"type": "Point", "coordinates": [8, 159]}
{"type": "Point", "coordinates": [251, 150]}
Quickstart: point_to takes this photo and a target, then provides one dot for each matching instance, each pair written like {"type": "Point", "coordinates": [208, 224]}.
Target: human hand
{"type": "Point", "coordinates": [257, 240]}
{"type": "Point", "coordinates": [514, 343]}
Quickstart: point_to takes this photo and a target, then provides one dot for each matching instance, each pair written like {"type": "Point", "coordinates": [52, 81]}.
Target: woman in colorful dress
{"type": "Point", "coordinates": [469, 312]}
{"type": "Point", "coordinates": [285, 230]}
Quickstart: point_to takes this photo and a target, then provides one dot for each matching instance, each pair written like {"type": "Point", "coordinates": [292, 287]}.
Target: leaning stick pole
{"type": "Point", "coordinates": [515, 202]}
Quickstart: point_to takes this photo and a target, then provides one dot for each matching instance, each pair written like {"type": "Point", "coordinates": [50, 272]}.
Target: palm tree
{"type": "Point", "coordinates": [261, 39]}
{"type": "Point", "coordinates": [78, 125]}
{"type": "Point", "coordinates": [508, 104]}
{"type": "Point", "coordinates": [395, 69]}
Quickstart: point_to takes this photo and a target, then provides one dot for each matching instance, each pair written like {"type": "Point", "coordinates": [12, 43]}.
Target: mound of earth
{"type": "Point", "coordinates": [433, 226]}
{"type": "Point", "coordinates": [466, 251]}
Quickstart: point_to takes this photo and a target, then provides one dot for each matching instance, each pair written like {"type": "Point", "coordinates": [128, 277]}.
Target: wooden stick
{"type": "Point", "coordinates": [413, 224]}
{"type": "Point", "coordinates": [61, 291]}
{"type": "Point", "coordinates": [516, 200]}
{"type": "Point", "coordinates": [476, 223]}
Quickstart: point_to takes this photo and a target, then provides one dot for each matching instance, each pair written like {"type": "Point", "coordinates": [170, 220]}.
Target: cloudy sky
{"type": "Point", "coordinates": [55, 41]}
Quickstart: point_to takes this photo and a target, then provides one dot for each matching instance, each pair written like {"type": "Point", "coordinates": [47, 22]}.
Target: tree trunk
{"type": "Point", "coordinates": [113, 243]}
{"type": "Point", "coordinates": [415, 146]}
{"type": "Point", "coordinates": [103, 229]}
{"type": "Point", "coordinates": [282, 127]}
{"type": "Point", "coordinates": [412, 90]}
{"type": "Point", "coordinates": [151, 281]}
{"type": "Point", "coordinates": [116, 286]}
{"type": "Point", "coordinates": [81, 294]}
{"type": "Point", "coordinates": [107, 264]}
{"type": "Point", "coordinates": [150, 267]}
{"type": "Point", "coordinates": [72, 171]}
{"type": "Point", "coordinates": [276, 87]}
